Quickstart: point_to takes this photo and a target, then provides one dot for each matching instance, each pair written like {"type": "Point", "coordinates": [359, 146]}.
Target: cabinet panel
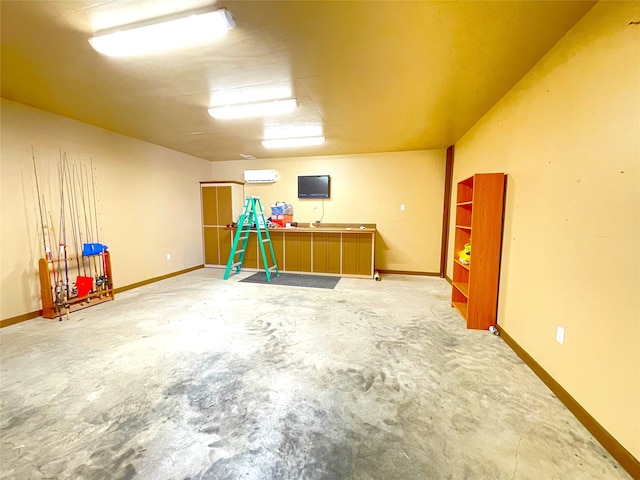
{"type": "Point", "coordinates": [209, 205]}
{"type": "Point", "coordinates": [277, 242]}
{"type": "Point", "coordinates": [305, 252]}
{"type": "Point", "coordinates": [365, 244]}
{"type": "Point", "coordinates": [225, 239]}
{"type": "Point", "coordinates": [357, 254]}
{"type": "Point", "coordinates": [251, 255]}
{"type": "Point", "coordinates": [349, 254]}
{"type": "Point", "coordinates": [225, 206]}
{"type": "Point", "coordinates": [326, 252]}
{"type": "Point", "coordinates": [297, 252]}
{"type": "Point", "coordinates": [211, 244]}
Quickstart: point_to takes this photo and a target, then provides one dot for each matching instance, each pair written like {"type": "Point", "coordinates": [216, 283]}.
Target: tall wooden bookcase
{"type": "Point", "coordinates": [479, 213]}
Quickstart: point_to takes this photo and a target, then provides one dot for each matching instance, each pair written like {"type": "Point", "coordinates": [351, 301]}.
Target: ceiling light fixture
{"type": "Point", "coordinates": [293, 142]}
{"type": "Point", "coordinates": [167, 35]}
{"type": "Point", "coordinates": [251, 94]}
{"type": "Point", "coordinates": [287, 136]}
{"type": "Point", "coordinates": [260, 109]}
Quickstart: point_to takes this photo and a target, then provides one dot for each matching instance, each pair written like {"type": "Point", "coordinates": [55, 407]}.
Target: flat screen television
{"type": "Point", "coordinates": [313, 186]}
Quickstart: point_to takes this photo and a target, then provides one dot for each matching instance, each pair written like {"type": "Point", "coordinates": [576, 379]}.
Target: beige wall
{"type": "Point", "coordinates": [366, 188]}
{"type": "Point", "coordinates": [148, 199]}
{"type": "Point", "coordinates": [568, 136]}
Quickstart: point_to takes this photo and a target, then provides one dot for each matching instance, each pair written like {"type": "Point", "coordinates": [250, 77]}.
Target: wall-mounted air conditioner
{"type": "Point", "coordinates": [260, 176]}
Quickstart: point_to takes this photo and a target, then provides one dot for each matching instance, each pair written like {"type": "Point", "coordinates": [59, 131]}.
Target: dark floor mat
{"type": "Point", "coordinates": [294, 280]}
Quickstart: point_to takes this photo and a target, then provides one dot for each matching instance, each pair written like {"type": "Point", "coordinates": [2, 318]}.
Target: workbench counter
{"type": "Point", "coordinates": [330, 227]}
{"type": "Point", "coordinates": [340, 249]}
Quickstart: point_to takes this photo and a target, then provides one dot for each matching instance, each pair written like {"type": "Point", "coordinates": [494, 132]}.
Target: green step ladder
{"type": "Point", "coordinates": [252, 215]}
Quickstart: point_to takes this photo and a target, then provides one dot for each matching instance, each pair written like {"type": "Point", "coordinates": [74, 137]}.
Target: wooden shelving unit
{"type": "Point", "coordinates": [479, 213]}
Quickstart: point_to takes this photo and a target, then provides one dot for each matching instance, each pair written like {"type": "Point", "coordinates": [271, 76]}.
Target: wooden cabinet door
{"type": "Point", "coordinates": [211, 247]}
{"type": "Point", "coordinates": [278, 245]}
{"type": "Point", "coordinates": [326, 252]}
{"type": "Point", "coordinates": [365, 254]}
{"type": "Point", "coordinates": [225, 239]}
{"type": "Point", "coordinates": [356, 253]}
{"type": "Point", "coordinates": [209, 205]}
{"type": "Point", "coordinates": [297, 252]}
{"type": "Point", "coordinates": [225, 206]}
{"type": "Point", "coordinates": [251, 255]}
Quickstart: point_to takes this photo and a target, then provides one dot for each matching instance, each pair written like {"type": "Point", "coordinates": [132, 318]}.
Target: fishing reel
{"type": "Point", "coordinates": [61, 296]}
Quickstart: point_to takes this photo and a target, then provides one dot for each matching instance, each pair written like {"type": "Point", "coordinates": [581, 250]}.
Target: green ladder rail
{"type": "Point", "coordinates": [252, 214]}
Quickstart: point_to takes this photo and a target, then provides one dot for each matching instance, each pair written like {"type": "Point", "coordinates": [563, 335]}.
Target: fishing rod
{"type": "Point", "coordinates": [49, 229]}
{"type": "Point", "coordinates": [63, 226]}
{"type": "Point", "coordinates": [70, 201]}
{"type": "Point", "coordinates": [63, 233]}
{"type": "Point", "coordinates": [86, 221]}
{"type": "Point", "coordinates": [103, 279]}
{"type": "Point", "coordinates": [47, 251]}
{"type": "Point", "coordinates": [58, 287]}
{"type": "Point", "coordinates": [55, 253]}
{"type": "Point", "coordinates": [95, 261]}
{"type": "Point", "coordinates": [35, 172]}
{"type": "Point", "coordinates": [84, 283]}
{"type": "Point", "coordinates": [78, 222]}
{"type": "Point", "coordinates": [59, 239]}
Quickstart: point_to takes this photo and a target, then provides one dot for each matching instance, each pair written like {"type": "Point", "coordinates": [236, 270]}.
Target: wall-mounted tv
{"type": "Point", "coordinates": [313, 186]}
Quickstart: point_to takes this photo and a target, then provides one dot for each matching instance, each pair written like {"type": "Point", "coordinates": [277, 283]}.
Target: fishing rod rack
{"type": "Point", "coordinates": [55, 301]}
{"type": "Point", "coordinates": [77, 274]}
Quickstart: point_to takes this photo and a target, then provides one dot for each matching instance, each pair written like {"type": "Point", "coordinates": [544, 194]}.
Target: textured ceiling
{"type": "Point", "coordinates": [379, 76]}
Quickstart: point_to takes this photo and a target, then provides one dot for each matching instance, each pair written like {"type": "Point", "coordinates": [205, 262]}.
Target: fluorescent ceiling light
{"type": "Point", "coordinates": [293, 142]}
{"type": "Point", "coordinates": [284, 136]}
{"type": "Point", "coordinates": [169, 35]}
{"type": "Point", "coordinates": [251, 94]}
{"type": "Point", "coordinates": [254, 109]}
{"type": "Point", "coordinates": [273, 132]}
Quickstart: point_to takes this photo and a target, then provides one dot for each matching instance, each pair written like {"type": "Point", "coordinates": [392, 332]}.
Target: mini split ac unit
{"type": "Point", "coordinates": [260, 176]}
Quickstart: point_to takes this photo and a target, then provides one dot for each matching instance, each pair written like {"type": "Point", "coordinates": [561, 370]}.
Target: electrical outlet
{"type": "Point", "coordinates": [168, 256]}
{"type": "Point", "coordinates": [560, 335]}
{"type": "Point", "coordinates": [402, 207]}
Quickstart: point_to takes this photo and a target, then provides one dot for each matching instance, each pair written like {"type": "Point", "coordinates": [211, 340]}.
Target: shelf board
{"type": "Point", "coordinates": [464, 227]}
{"type": "Point", "coordinates": [462, 287]}
{"type": "Point", "coordinates": [461, 307]}
{"type": "Point", "coordinates": [462, 204]}
{"type": "Point", "coordinates": [455, 260]}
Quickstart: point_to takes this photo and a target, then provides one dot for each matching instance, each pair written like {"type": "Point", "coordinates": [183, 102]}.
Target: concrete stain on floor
{"type": "Point", "coordinates": [200, 378]}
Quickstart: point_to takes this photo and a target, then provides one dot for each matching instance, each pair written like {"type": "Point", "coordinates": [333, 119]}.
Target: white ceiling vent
{"type": "Point", "coordinates": [260, 176]}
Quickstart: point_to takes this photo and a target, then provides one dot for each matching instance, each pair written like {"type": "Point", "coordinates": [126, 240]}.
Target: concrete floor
{"type": "Point", "coordinates": [200, 378]}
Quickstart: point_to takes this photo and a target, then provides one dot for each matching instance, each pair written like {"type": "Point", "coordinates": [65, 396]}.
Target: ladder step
{"type": "Point", "coordinates": [272, 267]}
{"type": "Point", "coordinates": [266, 240]}
{"type": "Point", "coordinates": [236, 264]}
{"type": "Point", "coordinates": [239, 251]}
